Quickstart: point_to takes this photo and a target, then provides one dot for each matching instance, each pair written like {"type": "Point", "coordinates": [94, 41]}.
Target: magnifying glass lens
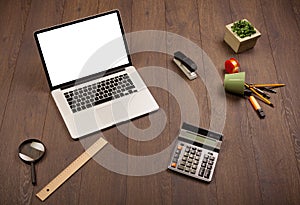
{"type": "Point", "coordinates": [31, 151]}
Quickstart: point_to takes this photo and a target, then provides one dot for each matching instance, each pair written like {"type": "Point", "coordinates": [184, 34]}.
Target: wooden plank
{"type": "Point", "coordinates": [155, 188]}
{"type": "Point", "coordinates": [11, 34]}
{"type": "Point", "coordinates": [278, 185]}
{"type": "Point", "coordinates": [183, 19]}
{"type": "Point", "coordinates": [27, 104]}
{"type": "Point", "coordinates": [296, 8]}
{"type": "Point", "coordinates": [236, 178]}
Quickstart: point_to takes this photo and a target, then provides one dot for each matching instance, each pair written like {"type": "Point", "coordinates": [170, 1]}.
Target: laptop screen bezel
{"type": "Point", "coordinates": [89, 77]}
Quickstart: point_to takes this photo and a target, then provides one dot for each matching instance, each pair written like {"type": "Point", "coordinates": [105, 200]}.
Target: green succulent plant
{"type": "Point", "coordinates": [243, 28]}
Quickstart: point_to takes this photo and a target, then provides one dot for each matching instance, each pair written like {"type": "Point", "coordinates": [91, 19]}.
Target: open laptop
{"type": "Point", "coordinates": [90, 74]}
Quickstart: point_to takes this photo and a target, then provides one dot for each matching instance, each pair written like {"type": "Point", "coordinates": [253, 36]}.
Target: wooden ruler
{"type": "Point", "coordinates": [71, 169]}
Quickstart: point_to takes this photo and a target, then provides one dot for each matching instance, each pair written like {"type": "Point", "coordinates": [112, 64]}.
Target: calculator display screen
{"type": "Point", "coordinates": [200, 139]}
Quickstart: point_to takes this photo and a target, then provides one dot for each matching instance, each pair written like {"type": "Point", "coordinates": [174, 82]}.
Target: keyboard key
{"type": "Point", "coordinates": [180, 167]}
{"type": "Point", "coordinates": [207, 173]}
{"type": "Point", "coordinates": [182, 163]}
{"type": "Point", "coordinates": [129, 87]}
{"type": "Point", "coordinates": [179, 147]}
{"type": "Point", "coordinates": [201, 172]}
{"type": "Point", "coordinates": [103, 101]}
{"type": "Point", "coordinates": [196, 162]}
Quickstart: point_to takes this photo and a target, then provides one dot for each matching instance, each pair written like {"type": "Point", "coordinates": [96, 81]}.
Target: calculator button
{"type": "Point", "coordinates": [186, 154]}
{"type": "Point", "coordinates": [187, 169]}
{"type": "Point", "coordinates": [182, 163]}
{"type": "Point", "coordinates": [203, 164]}
{"type": "Point", "coordinates": [210, 162]}
{"type": "Point", "coordinates": [198, 153]}
{"type": "Point", "coordinates": [175, 160]}
{"type": "Point", "coordinates": [188, 146]}
{"type": "Point", "coordinates": [196, 162]}
{"type": "Point", "coordinates": [209, 166]}
{"type": "Point", "coordinates": [193, 171]}
{"type": "Point", "coordinates": [190, 160]}
{"type": "Point", "coordinates": [191, 156]}
{"type": "Point", "coordinates": [184, 158]}
{"type": "Point", "coordinates": [188, 164]}
{"type": "Point", "coordinates": [194, 166]}
{"type": "Point", "coordinates": [193, 152]}
{"type": "Point", "coordinates": [177, 152]}
{"type": "Point", "coordinates": [179, 147]}
{"type": "Point", "coordinates": [173, 165]}
{"type": "Point", "coordinates": [201, 172]}
{"type": "Point", "coordinates": [204, 160]}
{"type": "Point", "coordinates": [197, 158]}
{"type": "Point", "coordinates": [206, 156]}
{"type": "Point", "coordinates": [176, 155]}
{"type": "Point", "coordinates": [180, 167]}
{"type": "Point", "coordinates": [207, 173]}
{"type": "Point", "coordinates": [212, 158]}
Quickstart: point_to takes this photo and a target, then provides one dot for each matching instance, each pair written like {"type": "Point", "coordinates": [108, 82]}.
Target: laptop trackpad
{"type": "Point", "coordinates": [112, 114]}
{"type": "Point", "coordinates": [126, 108]}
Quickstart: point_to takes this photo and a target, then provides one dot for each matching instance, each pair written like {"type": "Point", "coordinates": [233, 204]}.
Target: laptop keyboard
{"type": "Point", "coordinates": [100, 92]}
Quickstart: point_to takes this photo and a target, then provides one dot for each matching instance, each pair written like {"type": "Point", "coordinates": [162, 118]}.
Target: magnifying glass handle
{"type": "Point", "coordinates": [33, 175]}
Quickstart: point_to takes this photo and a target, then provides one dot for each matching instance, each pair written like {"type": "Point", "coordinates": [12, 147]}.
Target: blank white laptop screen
{"type": "Point", "coordinates": [84, 48]}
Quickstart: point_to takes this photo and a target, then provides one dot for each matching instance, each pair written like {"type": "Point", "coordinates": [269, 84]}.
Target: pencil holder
{"type": "Point", "coordinates": [234, 83]}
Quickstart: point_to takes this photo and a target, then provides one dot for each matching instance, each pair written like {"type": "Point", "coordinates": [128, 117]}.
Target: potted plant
{"type": "Point", "coordinates": [241, 35]}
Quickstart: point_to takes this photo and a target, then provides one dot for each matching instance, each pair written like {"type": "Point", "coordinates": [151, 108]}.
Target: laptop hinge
{"type": "Point", "coordinates": [90, 78]}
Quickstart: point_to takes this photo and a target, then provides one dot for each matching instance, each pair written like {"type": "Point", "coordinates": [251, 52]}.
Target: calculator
{"type": "Point", "coordinates": [196, 152]}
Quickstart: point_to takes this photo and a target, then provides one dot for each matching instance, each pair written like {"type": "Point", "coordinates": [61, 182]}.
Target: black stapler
{"type": "Point", "coordinates": [187, 66]}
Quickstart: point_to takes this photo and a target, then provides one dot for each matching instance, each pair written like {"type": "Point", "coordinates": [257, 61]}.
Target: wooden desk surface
{"type": "Point", "coordinates": [259, 160]}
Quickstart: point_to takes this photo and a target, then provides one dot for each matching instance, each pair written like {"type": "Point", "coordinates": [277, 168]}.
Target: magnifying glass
{"type": "Point", "coordinates": [30, 152]}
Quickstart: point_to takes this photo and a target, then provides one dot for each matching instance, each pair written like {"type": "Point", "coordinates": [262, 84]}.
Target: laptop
{"type": "Point", "coordinates": [90, 74]}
